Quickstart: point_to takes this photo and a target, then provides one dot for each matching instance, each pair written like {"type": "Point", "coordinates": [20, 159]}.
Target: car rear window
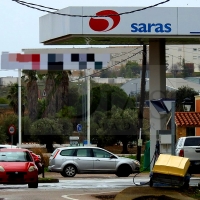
{"type": "Point", "coordinates": [15, 157]}
{"type": "Point", "coordinates": [67, 152]}
{"type": "Point", "coordinates": [192, 142]}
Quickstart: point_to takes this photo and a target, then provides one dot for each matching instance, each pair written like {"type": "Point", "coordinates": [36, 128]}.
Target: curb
{"type": "Point", "coordinates": [48, 180]}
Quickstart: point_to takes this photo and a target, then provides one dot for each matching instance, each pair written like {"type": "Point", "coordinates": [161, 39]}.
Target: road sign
{"type": "Point", "coordinates": [79, 127]}
{"type": "Point", "coordinates": [11, 129]}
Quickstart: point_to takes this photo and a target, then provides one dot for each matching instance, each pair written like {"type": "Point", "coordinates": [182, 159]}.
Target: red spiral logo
{"type": "Point", "coordinates": [104, 24]}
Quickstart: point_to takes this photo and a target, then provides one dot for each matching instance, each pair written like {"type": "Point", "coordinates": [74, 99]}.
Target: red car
{"type": "Point", "coordinates": [17, 166]}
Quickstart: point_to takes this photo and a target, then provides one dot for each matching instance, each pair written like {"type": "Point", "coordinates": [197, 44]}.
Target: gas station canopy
{"type": "Point", "coordinates": [110, 27]}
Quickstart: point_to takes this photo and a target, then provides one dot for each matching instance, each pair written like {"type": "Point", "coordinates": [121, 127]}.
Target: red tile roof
{"type": "Point", "coordinates": [191, 119]}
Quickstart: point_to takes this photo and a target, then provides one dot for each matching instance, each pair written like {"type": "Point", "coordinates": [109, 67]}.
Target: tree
{"type": "Point", "coordinates": [94, 127]}
{"type": "Point", "coordinates": [182, 93]}
{"type": "Point", "coordinates": [175, 68]}
{"type": "Point", "coordinates": [5, 123]}
{"type": "Point", "coordinates": [73, 95]}
{"type": "Point", "coordinates": [50, 90]}
{"type": "Point", "coordinates": [120, 125]}
{"type": "Point", "coordinates": [41, 108]}
{"type": "Point", "coordinates": [103, 97]}
{"type": "Point", "coordinates": [185, 70]}
{"type": "Point", "coordinates": [106, 96]}
{"type": "Point", "coordinates": [30, 77]}
{"type": "Point", "coordinates": [13, 98]}
{"type": "Point", "coordinates": [4, 101]}
{"type": "Point", "coordinates": [26, 124]}
{"type": "Point", "coordinates": [106, 74]}
{"type": "Point", "coordinates": [56, 88]}
{"type": "Point", "coordinates": [69, 113]}
{"type": "Point", "coordinates": [13, 120]}
{"type": "Point", "coordinates": [130, 70]}
{"type": "Point", "coordinates": [62, 89]}
{"type": "Point", "coordinates": [47, 131]}
{"type": "Point", "coordinates": [66, 125]}
{"type": "Point", "coordinates": [3, 135]}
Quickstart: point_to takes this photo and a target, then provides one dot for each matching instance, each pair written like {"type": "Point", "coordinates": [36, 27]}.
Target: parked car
{"type": "Point", "coordinates": [37, 158]}
{"type": "Point", "coordinates": [17, 166]}
{"type": "Point", "coordinates": [69, 161]}
{"type": "Point", "coordinates": [189, 147]}
{"type": "Point", "coordinates": [7, 146]}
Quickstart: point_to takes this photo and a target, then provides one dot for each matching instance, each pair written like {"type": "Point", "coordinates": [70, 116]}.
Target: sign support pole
{"type": "Point", "coordinates": [11, 140]}
{"type": "Point", "coordinates": [19, 108]}
{"type": "Point", "coordinates": [88, 107]}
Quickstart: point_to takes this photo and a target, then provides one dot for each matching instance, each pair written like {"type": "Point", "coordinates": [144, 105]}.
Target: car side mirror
{"type": "Point", "coordinates": [112, 156]}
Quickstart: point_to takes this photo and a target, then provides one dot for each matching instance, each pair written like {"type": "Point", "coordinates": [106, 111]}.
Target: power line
{"type": "Point", "coordinates": [31, 5]}
{"type": "Point", "coordinates": [185, 60]}
{"type": "Point", "coordinates": [108, 67]}
{"type": "Point", "coordinates": [185, 51]}
{"type": "Point", "coordinates": [126, 52]}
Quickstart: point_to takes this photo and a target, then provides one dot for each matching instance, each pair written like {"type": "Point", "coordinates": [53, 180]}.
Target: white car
{"type": "Point", "coordinates": [69, 161]}
{"type": "Point", "coordinates": [189, 147]}
{"type": "Point", "coordinates": [7, 146]}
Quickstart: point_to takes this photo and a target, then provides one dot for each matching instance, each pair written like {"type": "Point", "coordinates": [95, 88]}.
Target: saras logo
{"type": "Point", "coordinates": [104, 24]}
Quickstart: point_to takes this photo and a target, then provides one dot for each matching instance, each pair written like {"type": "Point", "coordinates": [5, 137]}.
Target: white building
{"type": "Point", "coordinates": [176, 53]}
{"type": "Point", "coordinates": [4, 81]}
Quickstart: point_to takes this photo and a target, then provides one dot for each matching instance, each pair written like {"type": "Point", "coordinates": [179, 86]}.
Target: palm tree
{"type": "Point", "coordinates": [50, 94]}
{"type": "Point", "coordinates": [62, 82]}
{"type": "Point", "coordinates": [13, 98]}
{"type": "Point", "coordinates": [56, 88]}
{"type": "Point", "coordinates": [31, 77]}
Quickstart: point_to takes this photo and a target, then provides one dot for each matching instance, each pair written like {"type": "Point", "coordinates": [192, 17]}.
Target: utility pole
{"type": "Point", "coordinates": [142, 99]}
{"type": "Point", "coordinates": [136, 92]}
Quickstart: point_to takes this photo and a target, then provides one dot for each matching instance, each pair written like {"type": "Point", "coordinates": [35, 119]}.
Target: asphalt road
{"type": "Point", "coordinates": [78, 188]}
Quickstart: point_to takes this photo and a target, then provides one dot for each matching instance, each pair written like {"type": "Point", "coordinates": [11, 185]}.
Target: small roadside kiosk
{"type": "Point", "coordinates": [74, 141]}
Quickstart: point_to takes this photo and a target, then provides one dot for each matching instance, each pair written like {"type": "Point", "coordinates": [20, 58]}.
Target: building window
{"type": "Point", "coordinates": [198, 49]}
{"type": "Point", "coordinates": [194, 57]}
{"type": "Point", "coordinates": [167, 56]}
{"type": "Point", "coordinates": [199, 57]}
{"type": "Point", "coordinates": [166, 49]}
{"type": "Point", "coordinates": [194, 49]}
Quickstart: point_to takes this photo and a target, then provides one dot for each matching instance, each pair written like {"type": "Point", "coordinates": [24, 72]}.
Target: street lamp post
{"type": "Point", "coordinates": [187, 103]}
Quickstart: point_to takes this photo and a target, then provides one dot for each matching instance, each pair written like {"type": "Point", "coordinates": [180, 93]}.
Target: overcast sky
{"type": "Point", "coordinates": [20, 25]}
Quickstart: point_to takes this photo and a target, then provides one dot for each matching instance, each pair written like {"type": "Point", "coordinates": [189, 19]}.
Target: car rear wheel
{"type": "Point", "coordinates": [123, 171]}
{"type": "Point", "coordinates": [69, 171]}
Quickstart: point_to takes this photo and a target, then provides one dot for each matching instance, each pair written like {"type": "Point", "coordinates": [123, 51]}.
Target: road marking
{"type": "Point", "coordinates": [69, 198]}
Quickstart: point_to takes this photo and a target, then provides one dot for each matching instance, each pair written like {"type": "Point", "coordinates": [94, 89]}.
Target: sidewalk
{"type": "Point", "coordinates": [59, 176]}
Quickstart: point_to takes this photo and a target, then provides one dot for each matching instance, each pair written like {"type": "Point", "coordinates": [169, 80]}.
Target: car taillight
{"type": "Point", "coordinates": [56, 154]}
{"type": "Point", "coordinates": [181, 153]}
